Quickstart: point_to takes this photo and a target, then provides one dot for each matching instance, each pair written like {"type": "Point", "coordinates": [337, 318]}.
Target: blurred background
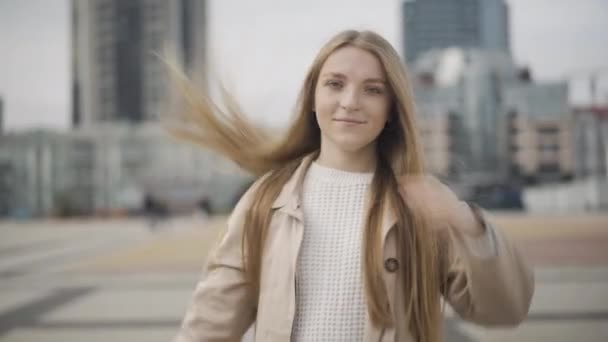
{"type": "Point", "coordinates": [105, 219]}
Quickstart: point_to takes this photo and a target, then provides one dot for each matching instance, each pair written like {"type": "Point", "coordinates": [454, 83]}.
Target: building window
{"type": "Point", "coordinates": [548, 130]}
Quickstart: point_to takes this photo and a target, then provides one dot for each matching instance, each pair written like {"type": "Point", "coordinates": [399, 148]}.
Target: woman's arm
{"type": "Point", "coordinates": [222, 307]}
{"type": "Point", "coordinates": [487, 280]}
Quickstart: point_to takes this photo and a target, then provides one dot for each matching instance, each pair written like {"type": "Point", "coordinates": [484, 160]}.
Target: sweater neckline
{"type": "Point", "coordinates": [326, 174]}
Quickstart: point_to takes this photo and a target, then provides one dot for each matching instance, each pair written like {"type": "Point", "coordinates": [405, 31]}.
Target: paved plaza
{"type": "Point", "coordinates": [119, 280]}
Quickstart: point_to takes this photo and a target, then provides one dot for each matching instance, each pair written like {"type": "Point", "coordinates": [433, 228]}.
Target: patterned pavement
{"type": "Point", "coordinates": [120, 280]}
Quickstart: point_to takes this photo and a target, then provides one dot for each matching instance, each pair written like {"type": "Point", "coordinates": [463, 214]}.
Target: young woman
{"type": "Point", "coordinates": [344, 237]}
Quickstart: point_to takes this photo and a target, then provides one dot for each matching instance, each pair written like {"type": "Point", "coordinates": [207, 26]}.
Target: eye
{"type": "Point", "coordinates": [374, 90]}
{"type": "Point", "coordinates": [334, 84]}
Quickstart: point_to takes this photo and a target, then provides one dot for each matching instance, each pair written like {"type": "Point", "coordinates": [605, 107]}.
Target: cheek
{"type": "Point", "coordinates": [324, 108]}
{"type": "Point", "coordinates": [323, 116]}
{"type": "Point", "coordinates": [379, 113]}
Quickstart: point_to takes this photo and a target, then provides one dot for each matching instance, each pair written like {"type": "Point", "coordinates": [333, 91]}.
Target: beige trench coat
{"type": "Point", "coordinates": [490, 289]}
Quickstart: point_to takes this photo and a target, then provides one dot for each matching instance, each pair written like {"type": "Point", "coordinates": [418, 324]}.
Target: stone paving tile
{"type": "Point", "coordinates": [123, 305]}
{"type": "Point", "coordinates": [573, 250]}
{"type": "Point", "coordinates": [147, 334]}
{"type": "Point", "coordinates": [570, 297]}
{"type": "Point", "coordinates": [30, 313]}
{"type": "Point", "coordinates": [172, 250]}
{"type": "Point", "coordinates": [584, 331]}
{"type": "Point", "coordinates": [13, 298]}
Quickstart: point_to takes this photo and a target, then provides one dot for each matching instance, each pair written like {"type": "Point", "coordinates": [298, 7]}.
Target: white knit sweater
{"type": "Point", "coordinates": [329, 284]}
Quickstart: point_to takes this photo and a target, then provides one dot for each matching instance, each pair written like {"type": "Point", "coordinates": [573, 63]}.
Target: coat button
{"type": "Point", "coordinates": [391, 265]}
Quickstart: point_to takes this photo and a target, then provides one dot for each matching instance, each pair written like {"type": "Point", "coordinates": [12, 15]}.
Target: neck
{"type": "Point", "coordinates": [363, 160]}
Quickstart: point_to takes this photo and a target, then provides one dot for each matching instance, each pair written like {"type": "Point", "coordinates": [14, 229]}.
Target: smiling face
{"type": "Point", "coordinates": [352, 101]}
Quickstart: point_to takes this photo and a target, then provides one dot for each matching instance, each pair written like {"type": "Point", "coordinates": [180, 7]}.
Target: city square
{"type": "Point", "coordinates": [125, 280]}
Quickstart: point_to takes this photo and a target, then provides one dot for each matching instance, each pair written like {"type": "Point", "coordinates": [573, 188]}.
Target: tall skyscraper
{"type": "Point", "coordinates": [117, 75]}
{"type": "Point", "coordinates": [430, 24]}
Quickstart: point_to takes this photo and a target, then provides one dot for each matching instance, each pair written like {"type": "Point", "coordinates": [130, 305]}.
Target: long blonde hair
{"type": "Point", "coordinates": [228, 132]}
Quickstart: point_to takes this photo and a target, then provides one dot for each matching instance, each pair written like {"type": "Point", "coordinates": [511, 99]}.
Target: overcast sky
{"type": "Point", "coordinates": [263, 48]}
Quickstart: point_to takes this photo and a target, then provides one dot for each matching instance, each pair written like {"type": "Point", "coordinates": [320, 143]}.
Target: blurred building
{"type": "Point", "coordinates": [540, 136]}
{"type": "Point", "coordinates": [465, 86]}
{"type": "Point", "coordinates": [588, 191]}
{"type": "Point", "coordinates": [441, 135]}
{"type": "Point", "coordinates": [24, 170]}
{"type": "Point", "coordinates": [488, 128]}
{"type": "Point", "coordinates": [590, 132]}
{"type": "Point", "coordinates": [117, 72]}
{"type": "Point", "coordinates": [436, 141]}
{"type": "Point", "coordinates": [1, 115]}
{"type": "Point", "coordinates": [110, 169]}
{"type": "Point", "coordinates": [437, 24]}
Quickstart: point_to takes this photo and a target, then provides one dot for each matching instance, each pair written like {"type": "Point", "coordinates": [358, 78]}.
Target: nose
{"type": "Point", "coordinates": [349, 101]}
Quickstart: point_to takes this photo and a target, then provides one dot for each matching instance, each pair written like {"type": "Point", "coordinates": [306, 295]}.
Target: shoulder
{"type": "Point", "coordinates": [246, 200]}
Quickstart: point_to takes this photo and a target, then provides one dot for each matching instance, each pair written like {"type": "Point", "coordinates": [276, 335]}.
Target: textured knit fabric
{"type": "Point", "coordinates": [329, 284]}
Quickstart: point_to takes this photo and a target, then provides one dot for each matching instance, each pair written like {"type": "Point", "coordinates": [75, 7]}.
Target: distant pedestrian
{"type": "Point", "coordinates": [154, 212]}
{"type": "Point", "coordinates": [204, 208]}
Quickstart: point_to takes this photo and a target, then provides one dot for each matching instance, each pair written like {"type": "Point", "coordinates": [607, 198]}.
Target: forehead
{"type": "Point", "coordinates": [353, 62]}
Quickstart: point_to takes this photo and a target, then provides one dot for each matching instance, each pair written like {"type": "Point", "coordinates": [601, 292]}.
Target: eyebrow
{"type": "Point", "coordinates": [342, 76]}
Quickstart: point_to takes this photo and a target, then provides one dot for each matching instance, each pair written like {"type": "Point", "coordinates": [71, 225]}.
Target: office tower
{"type": "Point", "coordinates": [117, 73]}
{"type": "Point", "coordinates": [437, 24]}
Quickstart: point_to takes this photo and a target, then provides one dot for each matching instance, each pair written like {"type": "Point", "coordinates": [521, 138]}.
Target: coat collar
{"type": "Point", "coordinates": [290, 195]}
{"type": "Point", "coordinates": [289, 199]}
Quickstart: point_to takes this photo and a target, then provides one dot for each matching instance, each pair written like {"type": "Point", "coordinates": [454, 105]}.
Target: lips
{"type": "Point", "coordinates": [349, 120]}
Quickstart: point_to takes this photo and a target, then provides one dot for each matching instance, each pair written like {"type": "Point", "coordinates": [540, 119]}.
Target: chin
{"type": "Point", "coordinates": [349, 145]}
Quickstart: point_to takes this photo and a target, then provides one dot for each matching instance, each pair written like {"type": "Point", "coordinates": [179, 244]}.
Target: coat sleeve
{"type": "Point", "coordinates": [487, 280]}
{"type": "Point", "coordinates": [222, 307]}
